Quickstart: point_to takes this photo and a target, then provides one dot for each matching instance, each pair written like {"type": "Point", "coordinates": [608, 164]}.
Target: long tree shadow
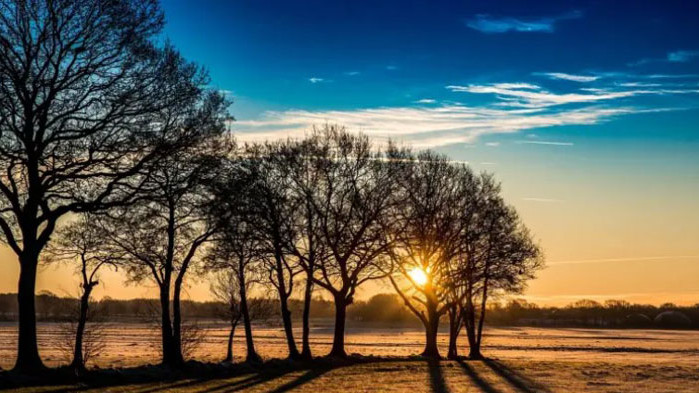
{"type": "Point", "coordinates": [437, 377]}
{"type": "Point", "coordinates": [517, 380]}
{"type": "Point", "coordinates": [302, 379]}
{"type": "Point", "coordinates": [484, 385]}
{"type": "Point", "coordinates": [249, 382]}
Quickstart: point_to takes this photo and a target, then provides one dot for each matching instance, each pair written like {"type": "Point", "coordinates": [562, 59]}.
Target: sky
{"type": "Point", "coordinates": [587, 112]}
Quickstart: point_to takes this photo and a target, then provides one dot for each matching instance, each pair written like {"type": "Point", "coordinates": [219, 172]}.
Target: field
{"type": "Point", "coordinates": [520, 360]}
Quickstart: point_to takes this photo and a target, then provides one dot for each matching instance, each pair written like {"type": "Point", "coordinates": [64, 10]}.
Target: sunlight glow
{"type": "Point", "coordinates": [418, 276]}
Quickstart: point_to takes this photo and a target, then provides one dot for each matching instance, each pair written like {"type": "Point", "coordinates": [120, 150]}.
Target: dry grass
{"type": "Point", "coordinates": [522, 360]}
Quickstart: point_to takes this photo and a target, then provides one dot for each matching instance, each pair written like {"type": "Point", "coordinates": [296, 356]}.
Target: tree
{"type": "Point", "coordinates": [236, 253]}
{"type": "Point", "coordinates": [432, 193]}
{"type": "Point", "coordinates": [303, 240]}
{"type": "Point", "coordinates": [351, 200]}
{"type": "Point", "coordinates": [160, 235]}
{"type": "Point", "coordinates": [501, 256]}
{"type": "Point", "coordinates": [273, 222]}
{"type": "Point", "coordinates": [86, 100]}
{"type": "Point", "coordinates": [81, 241]}
{"type": "Point", "coordinates": [226, 289]}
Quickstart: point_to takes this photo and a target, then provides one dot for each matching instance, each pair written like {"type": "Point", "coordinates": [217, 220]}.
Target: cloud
{"type": "Point", "coordinates": [426, 101]}
{"type": "Point", "coordinates": [492, 144]}
{"type": "Point", "coordinates": [682, 56]}
{"type": "Point", "coordinates": [391, 67]}
{"type": "Point", "coordinates": [497, 25]}
{"type": "Point", "coordinates": [570, 77]}
{"type": "Point", "coordinates": [545, 143]}
{"type": "Point", "coordinates": [316, 80]}
{"type": "Point", "coordinates": [352, 73]}
{"type": "Point", "coordinates": [538, 98]}
{"type": "Point", "coordinates": [421, 126]}
{"type": "Point", "coordinates": [541, 98]}
{"type": "Point", "coordinates": [678, 56]}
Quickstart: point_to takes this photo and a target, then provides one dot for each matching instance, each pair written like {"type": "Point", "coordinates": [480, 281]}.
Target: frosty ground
{"type": "Point", "coordinates": [519, 360]}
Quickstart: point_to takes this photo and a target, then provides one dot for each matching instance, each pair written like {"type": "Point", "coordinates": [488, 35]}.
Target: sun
{"type": "Point", "coordinates": [418, 276]}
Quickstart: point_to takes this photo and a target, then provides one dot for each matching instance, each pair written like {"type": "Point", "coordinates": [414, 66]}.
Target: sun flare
{"type": "Point", "coordinates": [418, 276]}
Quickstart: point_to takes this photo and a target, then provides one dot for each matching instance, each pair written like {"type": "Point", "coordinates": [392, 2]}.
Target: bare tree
{"type": "Point", "coordinates": [237, 251]}
{"type": "Point", "coordinates": [226, 289]}
{"type": "Point", "coordinates": [501, 256]}
{"type": "Point", "coordinates": [81, 241]}
{"type": "Point", "coordinates": [350, 199]}
{"type": "Point", "coordinates": [304, 242]}
{"type": "Point", "coordinates": [161, 234]}
{"type": "Point", "coordinates": [90, 338]}
{"type": "Point", "coordinates": [272, 220]}
{"type": "Point", "coordinates": [433, 193]}
{"type": "Point", "coordinates": [86, 99]}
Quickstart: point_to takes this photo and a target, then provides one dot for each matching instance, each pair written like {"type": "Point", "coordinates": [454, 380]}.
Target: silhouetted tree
{"type": "Point", "coordinates": [226, 289]}
{"type": "Point", "coordinates": [237, 255]}
{"type": "Point", "coordinates": [304, 243]}
{"type": "Point", "coordinates": [351, 200]}
{"type": "Point", "coordinates": [86, 99]}
{"type": "Point", "coordinates": [273, 221]}
{"type": "Point", "coordinates": [81, 242]}
{"type": "Point", "coordinates": [160, 235]}
{"type": "Point", "coordinates": [432, 194]}
{"type": "Point", "coordinates": [501, 256]}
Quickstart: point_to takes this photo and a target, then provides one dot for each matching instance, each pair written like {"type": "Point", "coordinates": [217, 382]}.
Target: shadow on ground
{"type": "Point", "coordinates": [225, 378]}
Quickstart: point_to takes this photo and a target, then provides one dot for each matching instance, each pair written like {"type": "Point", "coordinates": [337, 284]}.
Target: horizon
{"type": "Point", "coordinates": [596, 147]}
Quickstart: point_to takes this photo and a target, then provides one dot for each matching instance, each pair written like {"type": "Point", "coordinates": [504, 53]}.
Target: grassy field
{"type": "Point", "coordinates": [520, 360]}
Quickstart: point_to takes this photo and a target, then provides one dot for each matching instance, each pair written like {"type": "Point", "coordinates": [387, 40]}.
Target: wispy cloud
{"type": "Point", "coordinates": [492, 144]}
{"type": "Point", "coordinates": [421, 126]}
{"type": "Point", "coordinates": [391, 67]}
{"type": "Point", "coordinates": [515, 107]}
{"type": "Point", "coordinates": [682, 56]}
{"type": "Point", "coordinates": [496, 25]}
{"type": "Point", "coordinates": [570, 77]}
{"type": "Point", "coordinates": [540, 98]}
{"type": "Point", "coordinates": [352, 73]}
{"type": "Point", "coordinates": [316, 80]}
{"type": "Point", "coordinates": [678, 56]}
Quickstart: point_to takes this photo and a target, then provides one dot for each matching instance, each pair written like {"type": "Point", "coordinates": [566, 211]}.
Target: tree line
{"type": "Point", "coordinates": [386, 309]}
{"type": "Point", "coordinates": [114, 154]}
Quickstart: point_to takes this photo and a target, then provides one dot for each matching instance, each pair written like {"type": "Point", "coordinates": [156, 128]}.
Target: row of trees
{"type": "Point", "coordinates": [328, 212]}
{"type": "Point", "coordinates": [114, 140]}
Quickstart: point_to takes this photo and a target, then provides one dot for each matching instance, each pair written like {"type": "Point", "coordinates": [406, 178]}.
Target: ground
{"type": "Point", "coordinates": [519, 360]}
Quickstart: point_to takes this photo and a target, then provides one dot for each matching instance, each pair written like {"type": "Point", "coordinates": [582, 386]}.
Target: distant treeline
{"type": "Point", "coordinates": [382, 308]}
{"type": "Point", "coordinates": [385, 309]}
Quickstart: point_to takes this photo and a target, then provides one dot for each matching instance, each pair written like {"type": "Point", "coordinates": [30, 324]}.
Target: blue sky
{"type": "Point", "coordinates": [588, 112]}
{"type": "Point", "coordinates": [566, 62]}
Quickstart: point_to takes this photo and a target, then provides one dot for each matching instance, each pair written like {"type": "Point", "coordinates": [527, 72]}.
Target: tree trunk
{"type": "Point", "coordinates": [431, 329]}
{"type": "Point", "coordinates": [166, 326]}
{"type": "Point", "coordinates": [28, 360]}
{"type": "Point", "coordinates": [178, 358]}
{"type": "Point", "coordinates": [252, 356]}
{"type": "Point", "coordinates": [229, 347]}
{"type": "Point", "coordinates": [289, 333]}
{"type": "Point", "coordinates": [78, 363]}
{"type": "Point", "coordinates": [454, 328]}
{"type": "Point", "coordinates": [481, 319]}
{"type": "Point", "coordinates": [470, 324]}
{"type": "Point", "coordinates": [338, 348]}
{"type": "Point", "coordinates": [307, 297]}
